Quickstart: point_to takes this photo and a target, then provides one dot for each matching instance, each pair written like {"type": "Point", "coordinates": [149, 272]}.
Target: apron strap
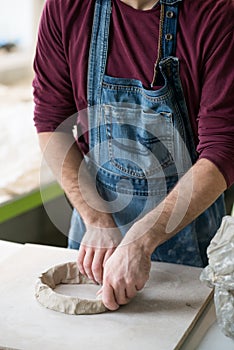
{"type": "Point", "coordinates": [98, 50]}
{"type": "Point", "coordinates": [169, 26]}
{"type": "Point", "coordinates": [167, 33]}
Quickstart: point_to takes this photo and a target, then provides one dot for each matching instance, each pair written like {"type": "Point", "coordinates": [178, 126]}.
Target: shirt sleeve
{"type": "Point", "coordinates": [216, 115]}
{"type": "Point", "coordinates": [52, 87]}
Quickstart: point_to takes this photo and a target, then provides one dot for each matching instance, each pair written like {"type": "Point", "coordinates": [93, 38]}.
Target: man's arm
{"type": "Point", "coordinates": [127, 270]}
{"type": "Point", "coordinates": [66, 162]}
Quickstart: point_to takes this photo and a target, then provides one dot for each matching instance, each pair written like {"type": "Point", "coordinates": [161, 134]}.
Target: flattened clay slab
{"type": "Point", "coordinates": [67, 273]}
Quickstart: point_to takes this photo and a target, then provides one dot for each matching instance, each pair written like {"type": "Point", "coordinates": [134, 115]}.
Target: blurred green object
{"type": "Point", "coordinates": [24, 203]}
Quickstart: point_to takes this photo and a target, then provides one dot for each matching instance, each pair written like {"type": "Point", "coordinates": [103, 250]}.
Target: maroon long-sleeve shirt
{"type": "Point", "coordinates": [205, 48]}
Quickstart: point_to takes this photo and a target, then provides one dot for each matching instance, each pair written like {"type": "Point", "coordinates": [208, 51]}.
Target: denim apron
{"type": "Point", "coordinates": [141, 141]}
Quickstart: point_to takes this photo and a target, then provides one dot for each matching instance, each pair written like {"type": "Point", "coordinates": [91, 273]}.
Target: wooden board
{"type": "Point", "coordinates": [160, 316]}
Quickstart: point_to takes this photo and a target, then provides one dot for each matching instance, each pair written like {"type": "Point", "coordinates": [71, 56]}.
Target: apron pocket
{"type": "Point", "coordinates": [140, 143]}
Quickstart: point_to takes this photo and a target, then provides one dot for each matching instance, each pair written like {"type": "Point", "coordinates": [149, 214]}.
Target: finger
{"type": "Point", "coordinates": [120, 295]}
{"type": "Point", "coordinates": [131, 292]}
{"type": "Point", "coordinates": [140, 285]}
{"type": "Point", "coordinates": [97, 265]}
{"type": "Point", "coordinates": [108, 298]}
{"type": "Point", "coordinates": [109, 252]}
{"type": "Point", "coordinates": [99, 292]}
{"type": "Point", "coordinates": [80, 260]}
{"type": "Point", "coordinates": [87, 264]}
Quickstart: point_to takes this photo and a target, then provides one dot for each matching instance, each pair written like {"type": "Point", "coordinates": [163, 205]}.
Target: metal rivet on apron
{"type": "Point", "coordinates": [169, 14]}
{"type": "Point", "coordinates": [168, 36]}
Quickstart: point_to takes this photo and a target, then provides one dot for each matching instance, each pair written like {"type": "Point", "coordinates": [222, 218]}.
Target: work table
{"type": "Point", "coordinates": [25, 324]}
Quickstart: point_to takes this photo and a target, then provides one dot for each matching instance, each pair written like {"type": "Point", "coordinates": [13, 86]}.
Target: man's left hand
{"type": "Point", "coordinates": [125, 273]}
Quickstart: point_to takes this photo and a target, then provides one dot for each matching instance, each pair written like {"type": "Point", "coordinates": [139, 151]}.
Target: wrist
{"type": "Point", "coordinates": [143, 241]}
{"type": "Point", "coordinates": [147, 237]}
{"type": "Point", "coordinates": [94, 218]}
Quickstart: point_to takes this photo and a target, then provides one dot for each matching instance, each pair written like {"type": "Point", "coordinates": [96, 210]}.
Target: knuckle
{"type": "Point", "coordinates": [130, 281]}
{"type": "Point", "coordinates": [108, 279]}
{"type": "Point", "coordinates": [118, 282]}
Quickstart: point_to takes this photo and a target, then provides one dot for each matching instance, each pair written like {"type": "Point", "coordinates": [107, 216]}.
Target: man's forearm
{"type": "Point", "coordinates": [64, 158]}
{"type": "Point", "coordinates": [192, 195]}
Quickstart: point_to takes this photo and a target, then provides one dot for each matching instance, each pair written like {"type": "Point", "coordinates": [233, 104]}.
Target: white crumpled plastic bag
{"type": "Point", "coordinates": [220, 274]}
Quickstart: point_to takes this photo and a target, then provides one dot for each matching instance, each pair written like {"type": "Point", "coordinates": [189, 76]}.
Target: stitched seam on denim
{"type": "Point", "coordinates": [136, 89]}
{"type": "Point", "coordinates": [104, 51]}
{"type": "Point", "coordinates": [144, 193]}
{"type": "Point", "coordinates": [179, 121]}
{"type": "Point", "coordinates": [145, 174]}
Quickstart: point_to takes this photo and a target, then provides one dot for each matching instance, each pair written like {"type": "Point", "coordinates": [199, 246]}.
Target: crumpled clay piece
{"type": "Point", "coordinates": [67, 273]}
{"type": "Point", "coordinates": [220, 274]}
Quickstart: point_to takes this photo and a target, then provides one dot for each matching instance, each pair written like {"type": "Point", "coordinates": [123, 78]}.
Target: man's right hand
{"type": "Point", "coordinates": [97, 245]}
{"type": "Point", "coordinates": [102, 237]}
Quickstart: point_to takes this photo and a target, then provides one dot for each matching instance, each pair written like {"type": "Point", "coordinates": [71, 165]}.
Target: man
{"type": "Point", "coordinates": [153, 85]}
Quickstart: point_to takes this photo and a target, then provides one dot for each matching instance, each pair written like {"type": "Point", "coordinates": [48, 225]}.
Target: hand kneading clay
{"type": "Point", "coordinates": [65, 274]}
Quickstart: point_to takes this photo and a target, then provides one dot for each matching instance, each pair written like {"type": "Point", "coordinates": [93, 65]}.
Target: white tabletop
{"type": "Point", "coordinates": [7, 249]}
{"type": "Point", "coordinates": [213, 339]}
